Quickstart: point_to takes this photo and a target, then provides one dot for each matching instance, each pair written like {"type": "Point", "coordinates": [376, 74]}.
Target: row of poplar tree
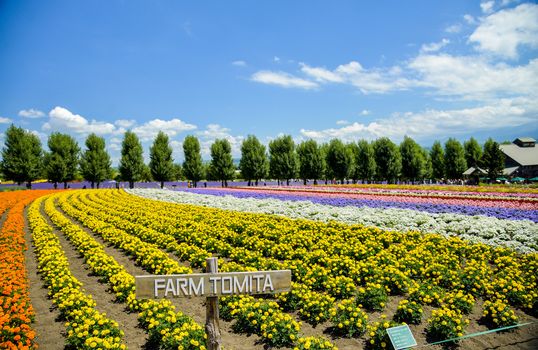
{"type": "Point", "coordinates": [24, 161]}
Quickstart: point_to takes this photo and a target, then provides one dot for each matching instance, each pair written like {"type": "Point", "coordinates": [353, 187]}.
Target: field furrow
{"type": "Point", "coordinates": [81, 250]}
{"type": "Point", "coordinates": [104, 297]}
{"type": "Point", "coordinates": [49, 329]}
{"type": "Point", "coordinates": [16, 310]}
{"type": "Point", "coordinates": [361, 260]}
{"type": "Point", "coordinates": [192, 307]}
{"type": "Point", "coordinates": [86, 327]}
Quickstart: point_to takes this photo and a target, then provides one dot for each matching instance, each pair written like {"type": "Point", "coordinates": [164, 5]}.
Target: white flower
{"type": "Point", "coordinates": [521, 235]}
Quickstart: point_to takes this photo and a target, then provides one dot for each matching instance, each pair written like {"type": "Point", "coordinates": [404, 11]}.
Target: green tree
{"type": "Point", "coordinates": [352, 150]}
{"type": "Point", "coordinates": [428, 167]}
{"type": "Point", "coordinates": [492, 159]}
{"type": "Point", "coordinates": [95, 161]}
{"type": "Point", "coordinates": [193, 169]}
{"type": "Point", "coordinates": [387, 159]}
{"type": "Point", "coordinates": [413, 161]}
{"type": "Point", "coordinates": [206, 173]}
{"type": "Point", "coordinates": [282, 159]}
{"type": "Point", "coordinates": [22, 156]}
{"type": "Point", "coordinates": [55, 168]}
{"type": "Point", "coordinates": [161, 163]}
{"type": "Point", "coordinates": [177, 172]}
{"type": "Point", "coordinates": [454, 159]}
{"type": "Point", "coordinates": [437, 156]}
{"type": "Point", "coordinates": [338, 159]}
{"type": "Point", "coordinates": [61, 163]}
{"type": "Point", "coordinates": [327, 172]}
{"type": "Point", "coordinates": [222, 166]}
{"type": "Point", "coordinates": [146, 174]}
{"type": "Point", "coordinates": [131, 162]}
{"type": "Point", "coordinates": [473, 152]}
{"type": "Point", "coordinates": [365, 165]}
{"type": "Point", "coordinates": [311, 162]}
{"type": "Point", "coordinates": [253, 164]}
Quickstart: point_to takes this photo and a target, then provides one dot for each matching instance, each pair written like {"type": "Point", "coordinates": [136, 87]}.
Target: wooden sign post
{"type": "Point", "coordinates": [212, 328]}
{"type": "Point", "coordinates": [211, 285]}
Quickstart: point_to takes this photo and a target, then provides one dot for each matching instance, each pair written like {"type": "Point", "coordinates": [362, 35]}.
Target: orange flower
{"type": "Point", "coordinates": [15, 306]}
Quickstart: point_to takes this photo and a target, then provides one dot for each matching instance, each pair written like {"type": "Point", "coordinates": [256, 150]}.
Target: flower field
{"type": "Point", "coordinates": [16, 311]}
{"type": "Point", "coordinates": [349, 281]}
{"type": "Point", "coordinates": [514, 232]}
{"type": "Point", "coordinates": [522, 207]}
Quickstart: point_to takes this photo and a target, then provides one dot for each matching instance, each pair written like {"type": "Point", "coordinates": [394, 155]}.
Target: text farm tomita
{"type": "Point", "coordinates": [217, 284]}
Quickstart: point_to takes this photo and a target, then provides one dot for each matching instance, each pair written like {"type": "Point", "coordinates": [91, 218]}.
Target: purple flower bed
{"type": "Point", "coordinates": [112, 184]}
{"type": "Point", "coordinates": [501, 213]}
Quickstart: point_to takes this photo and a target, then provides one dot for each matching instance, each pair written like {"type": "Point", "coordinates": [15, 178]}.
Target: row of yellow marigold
{"type": "Point", "coordinates": [430, 269]}
{"type": "Point", "coordinates": [278, 329]}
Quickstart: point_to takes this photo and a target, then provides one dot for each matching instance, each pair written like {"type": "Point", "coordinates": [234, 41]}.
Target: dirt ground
{"type": "Point", "coordinates": [51, 330]}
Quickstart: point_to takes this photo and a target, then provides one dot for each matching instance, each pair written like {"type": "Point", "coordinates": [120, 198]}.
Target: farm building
{"type": "Point", "coordinates": [520, 159]}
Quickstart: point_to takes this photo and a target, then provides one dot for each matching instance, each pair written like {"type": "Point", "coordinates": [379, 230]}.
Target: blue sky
{"type": "Point", "coordinates": [312, 69]}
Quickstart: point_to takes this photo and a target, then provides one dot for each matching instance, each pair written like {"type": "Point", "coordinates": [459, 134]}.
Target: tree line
{"type": "Point", "coordinates": [24, 160]}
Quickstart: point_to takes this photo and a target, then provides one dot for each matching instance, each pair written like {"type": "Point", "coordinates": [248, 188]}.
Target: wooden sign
{"type": "Point", "coordinates": [212, 284]}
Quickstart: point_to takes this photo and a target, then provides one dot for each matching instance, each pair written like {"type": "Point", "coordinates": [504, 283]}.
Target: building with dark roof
{"type": "Point", "coordinates": [521, 157]}
{"type": "Point", "coordinates": [520, 160]}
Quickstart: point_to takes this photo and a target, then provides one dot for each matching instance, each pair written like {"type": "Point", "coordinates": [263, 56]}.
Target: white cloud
{"type": "Point", "coordinates": [61, 119]}
{"type": "Point", "coordinates": [282, 79]}
{"type": "Point", "coordinates": [469, 19]}
{"type": "Point", "coordinates": [503, 32]}
{"type": "Point", "coordinates": [177, 151]}
{"type": "Point", "coordinates": [116, 147]}
{"type": "Point", "coordinates": [216, 131]}
{"type": "Point", "coordinates": [433, 47]}
{"type": "Point", "coordinates": [172, 127]}
{"type": "Point", "coordinates": [31, 113]}
{"type": "Point", "coordinates": [487, 6]}
{"type": "Point", "coordinates": [471, 77]}
{"type": "Point", "coordinates": [487, 91]}
{"type": "Point", "coordinates": [455, 28]}
{"type": "Point", "coordinates": [276, 59]}
{"type": "Point", "coordinates": [377, 80]}
{"type": "Point", "coordinates": [187, 28]}
{"type": "Point", "coordinates": [125, 123]}
{"type": "Point", "coordinates": [507, 2]}
{"type": "Point", "coordinates": [365, 112]}
{"type": "Point", "coordinates": [321, 74]}
{"type": "Point", "coordinates": [239, 63]}
{"type": "Point", "coordinates": [432, 123]}
{"type": "Point", "coordinates": [5, 120]}
{"type": "Point", "coordinates": [41, 135]}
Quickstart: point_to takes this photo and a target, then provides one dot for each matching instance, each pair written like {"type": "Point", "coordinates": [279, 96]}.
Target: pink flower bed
{"type": "Point", "coordinates": [492, 200]}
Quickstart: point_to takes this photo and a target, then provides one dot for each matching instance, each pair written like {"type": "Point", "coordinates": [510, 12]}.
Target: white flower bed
{"type": "Point", "coordinates": [517, 234]}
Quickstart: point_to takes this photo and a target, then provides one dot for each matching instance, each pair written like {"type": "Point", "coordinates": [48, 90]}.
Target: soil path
{"type": "Point", "coordinates": [193, 307]}
{"type": "Point", "coordinates": [49, 329]}
{"type": "Point", "coordinates": [525, 338]}
{"type": "Point", "coordinates": [135, 337]}
{"type": "Point", "coordinates": [169, 254]}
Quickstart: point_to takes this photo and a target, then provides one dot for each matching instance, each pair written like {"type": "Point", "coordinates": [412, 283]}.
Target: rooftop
{"type": "Point", "coordinates": [525, 139]}
{"type": "Point", "coordinates": [525, 156]}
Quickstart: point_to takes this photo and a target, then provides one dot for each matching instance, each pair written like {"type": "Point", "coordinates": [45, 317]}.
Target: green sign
{"type": "Point", "coordinates": [401, 337]}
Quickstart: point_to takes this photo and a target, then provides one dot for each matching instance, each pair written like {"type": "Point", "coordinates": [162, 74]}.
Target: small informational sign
{"type": "Point", "coordinates": [401, 337]}
{"type": "Point", "coordinates": [212, 284]}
